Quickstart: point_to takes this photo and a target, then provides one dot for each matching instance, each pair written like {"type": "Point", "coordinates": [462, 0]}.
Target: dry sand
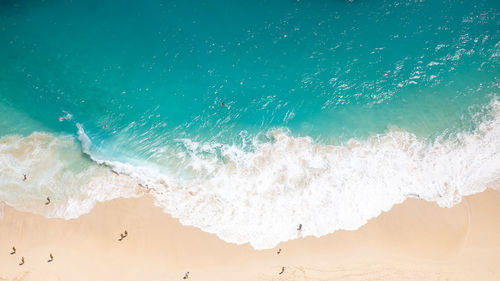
{"type": "Point", "coordinates": [414, 241]}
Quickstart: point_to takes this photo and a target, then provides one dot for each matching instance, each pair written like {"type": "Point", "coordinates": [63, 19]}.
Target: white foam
{"type": "Point", "coordinates": [260, 197]}
{"type": "Point", "coordinates": [55, 168]}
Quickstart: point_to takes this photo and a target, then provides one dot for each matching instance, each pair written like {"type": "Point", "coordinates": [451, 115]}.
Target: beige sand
{"type": "Point", "coordinates": [414, 241]}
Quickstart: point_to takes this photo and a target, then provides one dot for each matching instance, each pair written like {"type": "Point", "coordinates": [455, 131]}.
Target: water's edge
{"type": "Point", "coordinates": [258, 197]}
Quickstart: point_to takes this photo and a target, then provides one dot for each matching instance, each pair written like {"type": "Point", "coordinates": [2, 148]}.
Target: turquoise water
{"type": "Point", "coordinates": [326, 69]}
{"type": "Point", "coordinates": [196, 92]}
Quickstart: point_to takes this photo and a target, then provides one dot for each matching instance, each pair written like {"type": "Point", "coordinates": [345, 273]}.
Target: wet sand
{"type": "Point", "coordinates": [415, 240]}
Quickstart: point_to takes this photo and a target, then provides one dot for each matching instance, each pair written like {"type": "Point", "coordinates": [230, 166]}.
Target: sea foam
{"type": "Point", "coordinates": [261, 195]}
{"type": "Point", "coordinates": [55, 167]}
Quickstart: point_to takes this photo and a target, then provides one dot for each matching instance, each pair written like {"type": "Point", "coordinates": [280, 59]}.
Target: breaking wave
{"type": "Point", "coordinates": [258, 195]}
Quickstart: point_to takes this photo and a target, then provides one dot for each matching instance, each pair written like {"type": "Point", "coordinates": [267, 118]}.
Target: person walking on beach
{"type": "Point", "coordinates": [25, 177]}
{"type": "Point", "coordinates": [13, 250]}
{"type": "Point", "coordinates": [282, 270]}
{"type": "Point", "coordinates": [51, 258]}
{"type": "Point", "coordinates": [48, 201]}
{"type": "Point", "coordinates": [186, 276]}
{"type": "Point", "coordinates": [300, 227]}
{"type": "Point", "coordinates": [22, 261]}
{"type": "Point", "coordinates": [123, 235]}
{"type": "Point", "coordinates": [279, 251]}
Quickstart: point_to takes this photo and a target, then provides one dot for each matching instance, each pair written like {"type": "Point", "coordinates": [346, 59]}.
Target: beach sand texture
{"type": "Point", "coordinates": [415, 240]}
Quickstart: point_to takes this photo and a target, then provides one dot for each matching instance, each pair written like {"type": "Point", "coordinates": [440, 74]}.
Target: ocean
{"type": "Point", "coordinates": [248, 118]}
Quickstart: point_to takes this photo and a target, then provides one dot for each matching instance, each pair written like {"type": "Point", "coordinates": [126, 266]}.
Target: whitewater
{"type": "Point", "coordinates": [258, 195]}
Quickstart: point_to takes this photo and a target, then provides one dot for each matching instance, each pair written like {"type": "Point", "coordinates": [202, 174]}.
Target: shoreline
{"type": "Point", "coordinates": [415, 240]}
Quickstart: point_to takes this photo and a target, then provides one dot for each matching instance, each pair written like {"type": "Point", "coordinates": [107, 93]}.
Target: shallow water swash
{"type": "Point", "coordinates": [260, 197]}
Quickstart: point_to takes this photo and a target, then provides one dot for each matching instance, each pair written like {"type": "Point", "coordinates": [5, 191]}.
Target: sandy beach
{"type": "Point", "coordinates": [415, 240]}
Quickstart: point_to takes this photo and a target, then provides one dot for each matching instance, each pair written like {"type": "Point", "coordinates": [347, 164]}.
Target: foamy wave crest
{"type": "Point", "coordinates": [260, 197]}
{"type": "Point", "coordinates": [55, 167]}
